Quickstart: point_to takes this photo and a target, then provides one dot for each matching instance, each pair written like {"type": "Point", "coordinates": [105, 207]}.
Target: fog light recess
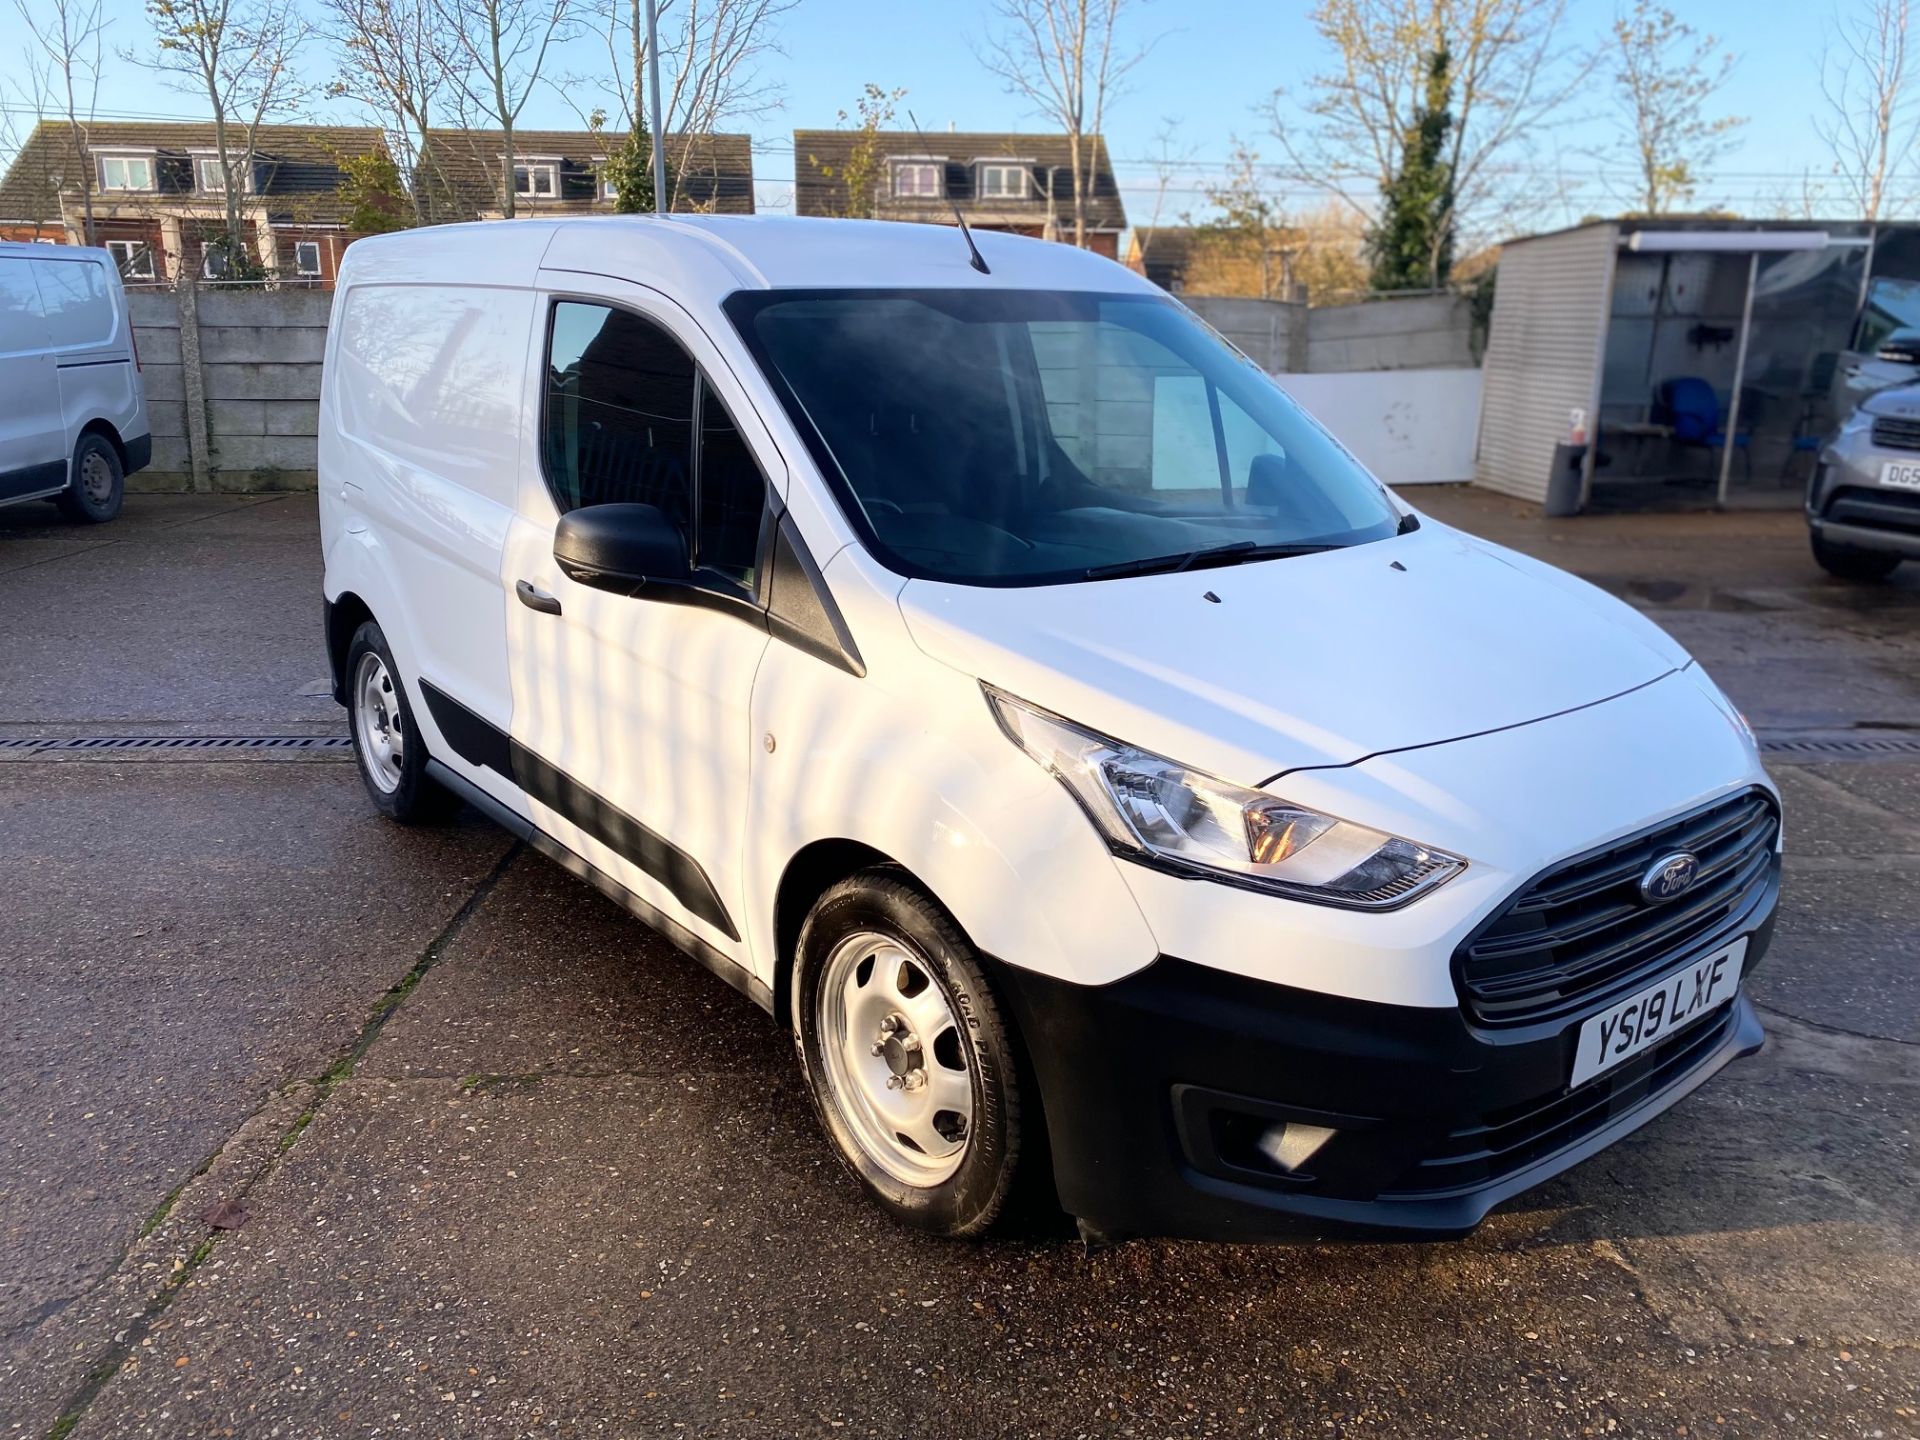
{"type": "Point", "coordinates": [1290, 1144]}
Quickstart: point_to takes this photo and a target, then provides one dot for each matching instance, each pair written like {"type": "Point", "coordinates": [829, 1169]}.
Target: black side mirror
{"type": "Point", "coordinates": [620, 547]}
{"type": "Point", "coordinates": [1267, 481]}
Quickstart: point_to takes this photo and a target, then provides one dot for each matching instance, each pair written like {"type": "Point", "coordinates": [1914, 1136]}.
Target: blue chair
{"type": "Point", "coordinates": [1690, 410]}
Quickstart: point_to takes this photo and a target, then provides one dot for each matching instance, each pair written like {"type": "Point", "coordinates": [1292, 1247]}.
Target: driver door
{"type": "Point", "coordinates": [631, 730]}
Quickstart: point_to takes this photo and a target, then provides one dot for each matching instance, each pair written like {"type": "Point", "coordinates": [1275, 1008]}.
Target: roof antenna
{"type": "Point", "coordinates": [965, 234]}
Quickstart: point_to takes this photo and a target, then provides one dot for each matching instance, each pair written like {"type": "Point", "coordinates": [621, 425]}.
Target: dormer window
{"type": "Point", "coordinates": [916, 180]}
{"type": "Point", "coordinates": [1003, 182]}
{"type": "Point", "coordinates": [126, 172]}
{"type": "Point", "coordinates": [210, 176]}
{"type": "Point", "coordinates": [536, 179]}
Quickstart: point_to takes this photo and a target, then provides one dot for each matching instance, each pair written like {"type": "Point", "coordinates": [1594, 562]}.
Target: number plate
{"type": "Point", "coordinates": [1631, 1026]}
{"type": "Point", "coordinates": [1901, 474]}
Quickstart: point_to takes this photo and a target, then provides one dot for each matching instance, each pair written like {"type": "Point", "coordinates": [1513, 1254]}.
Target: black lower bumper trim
{"type": "Point", "coordinates": [1157, 1088]}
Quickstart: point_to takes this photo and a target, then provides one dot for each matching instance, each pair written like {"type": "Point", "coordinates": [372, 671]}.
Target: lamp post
{"type": "Point", "coordinates": [653, 85]}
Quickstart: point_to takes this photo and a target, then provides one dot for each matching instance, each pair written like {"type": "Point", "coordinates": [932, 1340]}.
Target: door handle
{"type": "Point", "coordinates": [536, 599]}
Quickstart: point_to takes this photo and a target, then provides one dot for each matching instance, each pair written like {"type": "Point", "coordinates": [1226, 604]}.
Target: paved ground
{"type": "Point", "coordinates": [515, 1168]}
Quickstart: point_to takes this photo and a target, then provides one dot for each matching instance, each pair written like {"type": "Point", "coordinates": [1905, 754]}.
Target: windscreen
{"type": "Point", "coordinates": [1007, 437]}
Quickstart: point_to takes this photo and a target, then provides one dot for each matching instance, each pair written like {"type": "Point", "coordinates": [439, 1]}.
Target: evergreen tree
{"type": "Point", "coordinates": [630, 171]}
{"type": "Point", "coordinates": [1412, 246]}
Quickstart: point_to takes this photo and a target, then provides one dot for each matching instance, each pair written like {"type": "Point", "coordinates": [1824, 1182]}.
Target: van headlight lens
{"type": "Point", "coordinates": [1151, 808]}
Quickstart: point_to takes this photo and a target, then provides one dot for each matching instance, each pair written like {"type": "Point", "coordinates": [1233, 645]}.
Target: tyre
{"type": "Point", "coordinates": [386, 742]}
{"type": "Point", "coordinates": [1850, 564]}
{"type": "Point", "coordinates": [913, 1067]}
{"type": "Point", "coordinates": [98, 483]}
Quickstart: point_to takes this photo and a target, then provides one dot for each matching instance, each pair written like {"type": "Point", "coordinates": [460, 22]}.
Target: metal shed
{"type": "Point", "coordinates": [1648, 363]}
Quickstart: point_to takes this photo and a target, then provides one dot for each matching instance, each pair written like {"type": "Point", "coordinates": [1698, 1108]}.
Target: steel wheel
{"type": "Point", "coordinates": [376, 722]}
{"type": "Point", "coordinates": [895, 1060]}
{"type": "Point", "coordinates": [96, 478]}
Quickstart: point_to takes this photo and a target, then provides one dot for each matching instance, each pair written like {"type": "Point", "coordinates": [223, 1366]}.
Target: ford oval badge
{"type": "Point", "coordinates": [1669, 877]}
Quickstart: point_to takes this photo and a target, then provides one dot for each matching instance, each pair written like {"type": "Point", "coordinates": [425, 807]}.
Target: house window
{"type": "Point", "coordinates": [534, 182]}
{"type": "Point", "coordinates": [306, 259]}
{"type": "Point", "coordinates": [212, 175]}
{"type": "Point", "coordinates": [134, 257]}
{"type": "Point", "coordinates": [126, 172]}
{"type": "Point", "coordinates": [1003, 182]}
{"type": "Point", "coordinates": [214, 261]}
{"type": "Point", "coordinates": [916, 180]}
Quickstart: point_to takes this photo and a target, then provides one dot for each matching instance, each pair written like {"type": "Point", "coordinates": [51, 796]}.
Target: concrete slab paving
{"type": "Point", "coordinates": [652, 1256]}
{"type": "Point", "coordinates": [212, 616]}
{"type": "Point", "coordinates": [178, 941]}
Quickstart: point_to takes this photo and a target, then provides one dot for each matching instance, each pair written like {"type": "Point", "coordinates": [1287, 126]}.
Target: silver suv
{"type": "Point", "coordinates": [1863, 502]}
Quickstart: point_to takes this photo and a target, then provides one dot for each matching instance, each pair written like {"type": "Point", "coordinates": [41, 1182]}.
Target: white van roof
{"type": "Point", "coordinates": [709, 256]}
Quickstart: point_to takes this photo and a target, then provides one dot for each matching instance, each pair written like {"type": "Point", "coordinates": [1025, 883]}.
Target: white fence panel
{"type": "Point", "coordinates": [1410, 427]}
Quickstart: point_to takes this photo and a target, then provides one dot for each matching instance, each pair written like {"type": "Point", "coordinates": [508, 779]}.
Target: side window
{"type": "Point", "coordinates": [618, 421]}
{"type": "Point", "coordinates": [618, 425]}
{"type": "Point", "coordinates": [733, 494]}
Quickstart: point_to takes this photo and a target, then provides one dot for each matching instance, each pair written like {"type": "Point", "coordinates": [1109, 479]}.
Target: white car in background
{"type": "Point", "coordinates": [1115, 790]}
{"type": "Point", "coordinates": [73, 415]}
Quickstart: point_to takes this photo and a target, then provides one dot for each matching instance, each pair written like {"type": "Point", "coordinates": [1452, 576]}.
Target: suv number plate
{"type": "Point", "coordinates": [1631, 1026]}
{"type": "Point", "coordinates": [1901, 474]}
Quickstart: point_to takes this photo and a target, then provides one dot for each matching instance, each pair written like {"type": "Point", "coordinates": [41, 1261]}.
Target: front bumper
{"type": "Point", "coordinates": [1156, 1087]}
{"type": "Point", "coordinates": [1848, 506]}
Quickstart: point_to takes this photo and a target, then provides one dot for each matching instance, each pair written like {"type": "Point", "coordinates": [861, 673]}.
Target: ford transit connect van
{"type": "Point", "coordinates": [73, 416]}
{"type": "Point", "coordinates": [1113, 788]}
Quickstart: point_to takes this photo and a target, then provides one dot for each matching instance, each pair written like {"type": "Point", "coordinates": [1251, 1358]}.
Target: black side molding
{"type": "Point", "coordinates": [32, 480]}
{"type": "Point", "coordinates": [480, 742]}
{"type": "Point", "coordinates": [517, 825]}
{"type": "Point", "coordinates": [476, 741]}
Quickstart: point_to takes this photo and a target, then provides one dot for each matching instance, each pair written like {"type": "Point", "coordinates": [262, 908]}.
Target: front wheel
{"type": "Point", "coordinates": [912, 1065]}
{"type": "Point", "coordinates": [1850, 564]}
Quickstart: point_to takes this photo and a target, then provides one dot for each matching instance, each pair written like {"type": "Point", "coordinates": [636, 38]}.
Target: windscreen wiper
{"type": "Point", "coordinates": [1229, 554]}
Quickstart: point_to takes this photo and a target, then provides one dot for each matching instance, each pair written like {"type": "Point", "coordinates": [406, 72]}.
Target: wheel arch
{"type": "Point", "coordinates": [105, 429]}
{"type": "Point", "coordinates": [815, 869]}
{"type": "Point", "coordinates": [345, 615]}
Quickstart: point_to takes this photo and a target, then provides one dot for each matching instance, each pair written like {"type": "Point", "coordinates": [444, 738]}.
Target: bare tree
{"type": "Point", "coordinates": [711, 58]}
{"type": "Point", "coordinates": [1868, 84]}
{"type": "Point", "coordinates": [1166, 161]}
{"type": "Point", "coordinates": [1664, 74]}
{"type": "Point", "coordinates": [63, 65]}
{"type": "Point", "coordinates": [239, 56]}
{"type": "Point", "coordinates": [395, 59]}
{"type": "Point", "coordinates": [1068, 59]}
{"type": "Point", "coordinates": [499, 49]}
{"type": "Point", "coordinates": [1513, 76]}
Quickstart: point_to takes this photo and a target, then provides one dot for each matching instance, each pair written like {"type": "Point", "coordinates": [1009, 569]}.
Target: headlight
{"type": "Point", "coordinates": [1182, 819]}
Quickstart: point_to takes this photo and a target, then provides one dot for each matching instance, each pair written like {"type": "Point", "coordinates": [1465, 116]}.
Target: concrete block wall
{"type": "Point", "coordinates": [234, 375]}
{"type": "Point", "coordinates": [1274, 334]}
{"type": "Point", "coordinates": [1391, 332]}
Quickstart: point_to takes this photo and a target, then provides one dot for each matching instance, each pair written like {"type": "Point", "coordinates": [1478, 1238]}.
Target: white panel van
{"type": "Point", "coordinates": [1124, 800]}
{"type": "Point", "coordinates": [73, 417]}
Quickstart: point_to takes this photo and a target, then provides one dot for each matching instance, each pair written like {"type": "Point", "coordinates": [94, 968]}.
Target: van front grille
{"type": "Point", "coordinates": [1580, 934]}
{"type": "Point", "coordinates": [1893, 433]}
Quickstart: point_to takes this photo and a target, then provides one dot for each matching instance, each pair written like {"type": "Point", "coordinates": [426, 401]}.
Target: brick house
{"type": "Point", "coordinates": [1022, 184]}
{"type": "Point", "coordinates": [562, 172]}
{"type": "Point", "coordinates": [158, 195]}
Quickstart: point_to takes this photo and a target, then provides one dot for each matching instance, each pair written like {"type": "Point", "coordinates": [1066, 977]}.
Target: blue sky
{"type": "Point", "coordinates": [1212, 66]}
